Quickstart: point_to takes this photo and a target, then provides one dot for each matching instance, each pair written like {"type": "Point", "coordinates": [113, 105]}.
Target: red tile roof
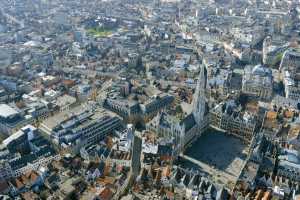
{"type": "Point", "coordinates": [106, 194]}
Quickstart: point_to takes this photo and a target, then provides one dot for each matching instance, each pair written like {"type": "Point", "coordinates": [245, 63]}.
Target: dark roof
{"type": "Point", "coordinates": [164, 120]}
{"type": "Point", "coordinates": [53, 178]}
{"type": "Point", "coordinates": [164, 150]}
{"type": "Point", "coordinates": [3, 186]}
{"type": "Point", "coordinates": [101, 166]}
{"type": "Point", "coordinates": [188, 122]}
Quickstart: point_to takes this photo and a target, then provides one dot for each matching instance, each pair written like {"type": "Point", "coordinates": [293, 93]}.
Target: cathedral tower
{"type": "Point", "coordinates": [199, 97]}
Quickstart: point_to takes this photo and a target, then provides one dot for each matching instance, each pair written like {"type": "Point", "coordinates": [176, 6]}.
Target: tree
{"type": "Point", "coordinates": [44, 195]}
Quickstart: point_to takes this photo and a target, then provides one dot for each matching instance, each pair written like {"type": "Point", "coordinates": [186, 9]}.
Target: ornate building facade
{"type": "Point", "coordinates": [185, 130]}
{"type": "Point", "coordinates": [258, 82]}
{"type": "Point", "coordinates": [228, 117]}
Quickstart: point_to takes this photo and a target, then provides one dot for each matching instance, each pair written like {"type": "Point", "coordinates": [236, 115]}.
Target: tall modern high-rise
{"type": "Point", "coordinates": [199, 97]}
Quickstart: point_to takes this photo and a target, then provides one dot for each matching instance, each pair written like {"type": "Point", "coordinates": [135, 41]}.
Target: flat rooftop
{"type": "Point", "coordinates": [6, 111]}
{"type": "Point", "coordinates": [53, 121]}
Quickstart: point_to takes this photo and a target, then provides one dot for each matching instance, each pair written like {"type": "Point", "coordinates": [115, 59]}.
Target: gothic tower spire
{"type": "Point", "coordinates": [199, 97]}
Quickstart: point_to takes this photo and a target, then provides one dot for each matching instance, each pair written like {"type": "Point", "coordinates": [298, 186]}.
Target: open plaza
{"type": "Point", "coordinates": [217, 154]}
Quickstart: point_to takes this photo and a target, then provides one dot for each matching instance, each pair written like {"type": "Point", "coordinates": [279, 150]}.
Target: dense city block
{"type": "Point", "coordinates": [150, 99]}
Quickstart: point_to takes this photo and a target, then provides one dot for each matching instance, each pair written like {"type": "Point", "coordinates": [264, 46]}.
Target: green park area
{"type": "Point", "coordinates": [99, 32]}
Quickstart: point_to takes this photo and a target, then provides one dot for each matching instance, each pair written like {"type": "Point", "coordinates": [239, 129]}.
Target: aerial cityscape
{"type": "Point", "coordinates": [150, 99]}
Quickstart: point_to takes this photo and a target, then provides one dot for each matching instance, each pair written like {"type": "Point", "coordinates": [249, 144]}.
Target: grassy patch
{"type": "Point", "coordinates": [99, 32]}
{"type": "Point", "coordinates": [278, 57]}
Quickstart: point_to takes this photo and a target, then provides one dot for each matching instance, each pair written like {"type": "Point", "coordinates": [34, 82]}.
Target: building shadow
{"type": "Point", "coordinates": [217, 149]}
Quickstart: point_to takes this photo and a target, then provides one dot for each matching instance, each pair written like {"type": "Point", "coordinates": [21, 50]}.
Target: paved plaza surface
{"type": "Point", "coordinates": [218, 154]}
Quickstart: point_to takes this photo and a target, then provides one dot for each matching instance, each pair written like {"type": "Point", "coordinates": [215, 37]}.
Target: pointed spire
{"type": "Point", "coordinates": [199, 96]}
